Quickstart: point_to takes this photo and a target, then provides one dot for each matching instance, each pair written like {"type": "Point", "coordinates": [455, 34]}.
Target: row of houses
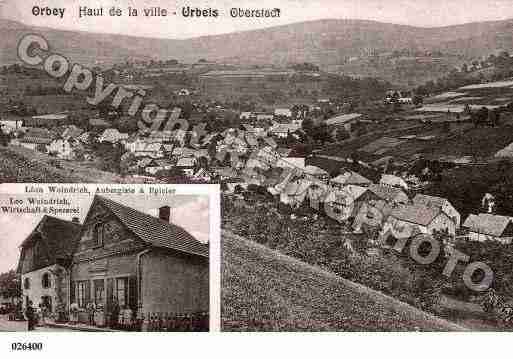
{"type": "Point", "coordinates": [386, 204]}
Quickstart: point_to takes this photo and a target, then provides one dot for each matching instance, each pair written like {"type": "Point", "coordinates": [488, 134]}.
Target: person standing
{"type": "Point", "coordinates": [90, 311]}
{"type": "Point", "coordinates": [114, 315]}
{"type": "Point", "coordinates": [30, 315]}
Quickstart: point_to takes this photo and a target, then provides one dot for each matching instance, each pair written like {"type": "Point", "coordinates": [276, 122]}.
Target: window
{"type": "Point", "coordinates": [122, 291]}
{"type": "Point", "coordinates": [46, 282]}
{"type": "Point", "coordinates": [99, 292]}
{"type": "Point", "coordinates": [81, 294]}
{"type": "Point", "coordinates": [98, 234]}
{"type": "Point", "coordinates": [26, 283]}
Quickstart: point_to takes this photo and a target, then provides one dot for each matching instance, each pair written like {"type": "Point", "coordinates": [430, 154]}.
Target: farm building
{"type": "Point", "coordinates": [343, 120]}
{"type": "Point", "coordinates": [36, 139]}
{"type": "Point", "coordinates": [441, 203]}
{"type": "Point", "coordinates": [425, 219]}
{"type": "Point", "coordinates": [47, 121]}
{"type": "Point", "coordinates": [489, 227]}
{"type": "Point", "coordinates": [389, 194]}
{"type": "Point", "coordinates": [350, 178]}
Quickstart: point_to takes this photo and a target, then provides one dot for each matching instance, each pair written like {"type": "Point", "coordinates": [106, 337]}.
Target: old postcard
{"type": "Point", "coordinates": [105, 257]}
{"type": "Point", "coordinates": [363, 151]}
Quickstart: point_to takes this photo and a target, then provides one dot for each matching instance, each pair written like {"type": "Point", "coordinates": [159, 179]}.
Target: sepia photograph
{"type": "Point", "coordinates": [363, 152]}
{"type": "Point", "coordinates": [109, 262]}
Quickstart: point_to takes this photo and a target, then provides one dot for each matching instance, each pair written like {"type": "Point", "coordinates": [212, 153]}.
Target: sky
{"type": "Point", "coordinates": [427, 13]}
{"type": "Point", "coordinates": [191, 212]}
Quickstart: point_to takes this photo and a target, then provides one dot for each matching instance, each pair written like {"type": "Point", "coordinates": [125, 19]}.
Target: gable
{"type": "Point", "coordinates": [113, 230]}
{"type": "Point", "coordinates": [52, 241]}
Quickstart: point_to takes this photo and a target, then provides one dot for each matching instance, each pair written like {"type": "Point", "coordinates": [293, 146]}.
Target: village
{"type": "Point", "coordinates": [356, 156]}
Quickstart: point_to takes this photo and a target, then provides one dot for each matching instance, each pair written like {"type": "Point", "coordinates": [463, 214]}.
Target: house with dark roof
{"type": "Point", "coordinates": [142, 263]}
{"type": "Point", "coordinates": [441, 203]}
{"type": "Point", "coordinates": [489, 227]}
{"type": "Point", "coordinates": [350, 178]}
{"type": "Point", "coordinates": [418, 218]}
{"type": "Point", "coordinates": [44, 263]}
{"type": "Point", "coordinates": [389, 194]}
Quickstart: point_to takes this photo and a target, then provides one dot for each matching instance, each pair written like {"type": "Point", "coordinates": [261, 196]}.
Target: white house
{"type": "Point", "coordinates": [62, 148]}
{"type": "Point", "coordinates": [394, 181]}
{"type": "Point", "coordinates": [35, 143]}
{"type": "Point", "coordinates": [489, 227]}
{"type": "Point", "coordinates": [350, 178]}
{"type": "Point", "coordinates": [411, 219]}
{"type": "Point", "coordinates": [245, 115]}
{"type": "Point", "coordinates": [112, 135]}
{"type": "Point", "coordinates": [282, 130]}
{"type": "Point", "coordinates": [10, 125]}
{"type": "Point", "coordinates": [283, 112]}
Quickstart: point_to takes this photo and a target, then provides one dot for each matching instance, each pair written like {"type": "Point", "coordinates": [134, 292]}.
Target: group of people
{"type": "Point", "coordinates": [113, 310]}
{"type": "Point", "coordinates": [33, 316]}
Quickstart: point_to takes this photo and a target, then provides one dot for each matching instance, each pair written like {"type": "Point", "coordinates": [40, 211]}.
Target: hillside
{"type": "Point", "coordinates": [327, 43]}
{"type": "Point", "coordinates": [18, 164]}
{"type": "Point", "coordinates": [263, 290]}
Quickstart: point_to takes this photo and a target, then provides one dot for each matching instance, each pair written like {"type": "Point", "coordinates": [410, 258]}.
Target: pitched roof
{"type": "Point", "coordinates": [386, 192]}
{"type": "Point", "coordinates": [417, 214]}
{"type": "Point", "coordinates": [392, 180]}
{"type": "Point", "coordinates": [315, 171]}
{"type": "Point", "coordinates": [52, 116]}
{"type": "Point", "coordinates": [350, 177]}
{"type": "Point", "coordinates": [72, 131]}
{"type": "Point", "coordinates": [342, 119]}
{"type": "Point", "coordinates": [186, 162]}
{"type": "Point", "coordinates": [154, 231]}
{"type": "Point", "coordinates": [98, 122]}
{"type": "Point", "coordinates": [487, 224]}
{"type": "Point", "coordinates": [58, 239]}
{"type": "Point", "coordinates": [431, 201]}
{"type": "Point", "coordinates": [38, 140]}
{"type": "Point", "coordinates": [285, 128]}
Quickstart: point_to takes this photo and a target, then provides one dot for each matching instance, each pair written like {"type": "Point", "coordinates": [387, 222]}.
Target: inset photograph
{"type": "Point", "coordinates": [104, 262]}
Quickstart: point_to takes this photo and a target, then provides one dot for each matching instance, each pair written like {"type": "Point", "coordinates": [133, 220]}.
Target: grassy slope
{"type": "Point", "coordinates": [18, 164]}
{"type": "Point", "coordinates": [265, 290]}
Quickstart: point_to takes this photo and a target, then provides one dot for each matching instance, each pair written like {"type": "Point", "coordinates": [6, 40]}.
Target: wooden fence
{"type": "Point", "coordinates": [166, 322]}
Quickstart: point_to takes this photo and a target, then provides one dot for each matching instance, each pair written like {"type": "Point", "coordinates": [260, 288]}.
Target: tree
{"type": "Point", "coordinates": [10, 285]}
{"type": "Point", "coordinates": [308, 126]}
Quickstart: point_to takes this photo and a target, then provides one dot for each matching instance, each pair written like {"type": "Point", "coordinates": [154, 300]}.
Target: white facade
{"type": "Point", "coordinates": [33, 288]}
{"type": "Point", "coordinates": [62, 148]}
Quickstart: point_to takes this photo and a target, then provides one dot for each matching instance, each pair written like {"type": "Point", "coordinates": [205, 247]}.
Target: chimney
{"type": "Point", "coordinates": [165, 213]}
{"type": "Point", "coordinates": [75, 220]}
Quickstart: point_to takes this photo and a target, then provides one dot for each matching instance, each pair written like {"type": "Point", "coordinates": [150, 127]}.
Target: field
{"type": "Point", "coordinates": [263, 290]}
{"type": "Point", "coordinates": [490, 95]}
{"type": "Point", "coordinates": [18, 164]}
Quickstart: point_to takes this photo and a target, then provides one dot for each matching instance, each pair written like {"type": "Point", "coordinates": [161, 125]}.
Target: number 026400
{"type": "Point", "coordinates": [26, 346]}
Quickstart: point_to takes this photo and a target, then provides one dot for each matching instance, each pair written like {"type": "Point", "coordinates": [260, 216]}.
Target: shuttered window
{"type": "Point", "coordinates": [122, 291]}
{"type": "Point", "coordinates": [83, 293]}
{"type": "Point", "coordinates": [72, 292]}
{"type": "Point", "coordinates": [81, 289]}
{"type": "Point", "coordinates": [132, 293]}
